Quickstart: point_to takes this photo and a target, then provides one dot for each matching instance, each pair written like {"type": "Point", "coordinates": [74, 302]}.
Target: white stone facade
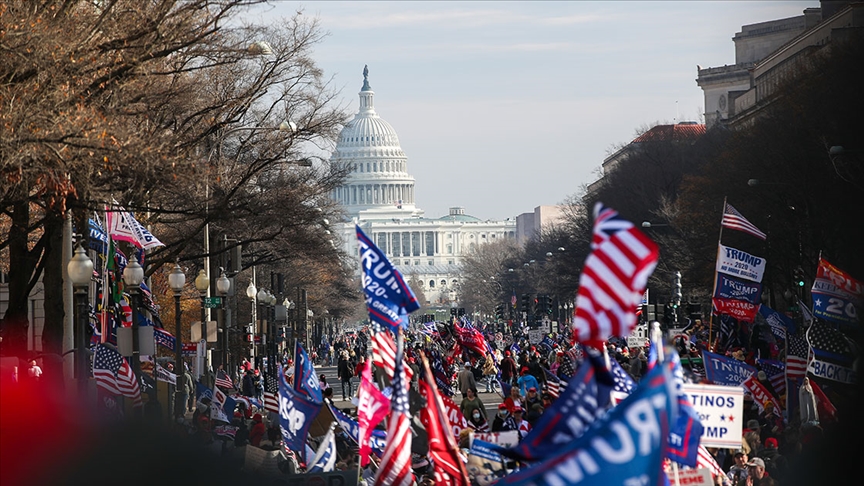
{"type": "Point", "coordinates": [379, 197]}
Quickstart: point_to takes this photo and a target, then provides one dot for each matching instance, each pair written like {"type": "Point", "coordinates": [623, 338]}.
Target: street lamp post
{"type": "Point", "coordinates": [223, 286]}
{"type": "Point", "coordinates": [133, 276]}
{"type": "Point", "coordinates": [263, 298]}
{"type": "Point", "coordinates": [177, 280]}
{"type": "Point", "coordinates": [202, 283]}
{"type": "Point", "coordinates": [251, 293]}
{"type": "Point", "coordinates": [80, 270]}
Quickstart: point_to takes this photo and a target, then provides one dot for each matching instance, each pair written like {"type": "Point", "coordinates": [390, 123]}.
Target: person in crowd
{"type": "Point", "coordinates": [256, 433]}
{"type": "Point", "coordinates": [241, 436]}
{"type": "Point", "coordinates": [535, 369]}
{"type": "Point", "coordinates": [752, 436]}
{"type": "Point", "coordinates": [472, 402]}
{"type": "Point", "coordinates": [490, 374]}
{"type": "Point", "coordinates": [466, 379]}
{"type": "Point", "coordinates": [477, 420]}
{"type": "Point", "coordinates": [770, 423]}
{"type": "Point", "coordinates": [508, 368]}
{"type": "Point", "coordinates": [775, 464]}
{"type": "Point", "coordinates": [515, 399]}
{"type": "Point", "coordinates": [807, 403]}
{"type": "Point", "coordinates": [533, 406]}
{"type": "Point", "coordinates": [34, 371]}
{"type": "Point", "coordinates": [273, 439]}
{"type": "Point", "coordinates": [361, 364]}
{"type": "Point", "coordinates": [327, 395]}
{"type": "Point", "coordinates": [526, 381]}
{"type": "Point", "coordinates": [638, 363]}
{"type": "Point", "coordinates": [247, 387]}
{"type": "Point", "coordinates": [758, 475]}
{"type": "Point", "coordinates": [523, 426]}
{"type": "Point", "coordinates": [189, 383]}
{"type": "Point", "coordinates": [739, 472]}
{"type": "Point", "coordinates": [322, 382]}
{"type": "Point", "coordinates": [503, 421]}
{"type": "Point", "coordinates": [345, 372]}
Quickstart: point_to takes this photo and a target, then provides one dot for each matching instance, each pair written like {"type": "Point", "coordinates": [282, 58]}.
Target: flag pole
{"type": "Point", "coordinates": [711, 314]}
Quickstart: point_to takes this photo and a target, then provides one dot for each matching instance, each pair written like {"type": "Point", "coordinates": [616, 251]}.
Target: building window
{"type": "Point", "coordinates": [450, 262]}
{"type": "Point", "coordinates": [406, 262]}
{"type": "Point", "coordinates": [431, 284]}
{"type": "Point", "coordinates": [431, 262]}
{"type": "Point", "coordinates": [443, 283]}
{"type": "Point", "coordinates": [449, 248]}
{"type": "Point", "coordinates": [416, 262]}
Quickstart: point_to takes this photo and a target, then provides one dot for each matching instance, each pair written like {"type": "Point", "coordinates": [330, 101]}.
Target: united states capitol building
{"type": "Point", "coordinates": [378, 196]}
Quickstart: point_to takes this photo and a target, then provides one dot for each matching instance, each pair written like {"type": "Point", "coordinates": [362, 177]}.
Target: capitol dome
{"type": "Point", "coordinates": [378, 185]}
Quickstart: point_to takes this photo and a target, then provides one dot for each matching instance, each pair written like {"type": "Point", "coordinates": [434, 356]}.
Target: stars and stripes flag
{"type": "Point", "coordinates": [384, 351]}
{"type": "Point", "coordinates": [613, 279]}
{"type": "Point", "coordinates": [553, 384]}
{"type": "Point", "coordinates": [223, 380]}
{"type": "Point", "coordinates": [271, 393]}
{"type": "Point", "coordinates": [732, 219]}
{"type": "Point", "coordinates": [796, 357]}
{"type": "Point", "coordinates": [395, 467]}
{"type": "Point", "coordinates": [430, 329]}
{"type": "Point", "coordinates": [704, 459]}
{"type": "Point", "coordinates": [776, 373]}
{"type": "Point", "coordinates": [114, 375]}
{"type": "Point", "coordinates": [449, 468]}
{"type": "Point", "coordinates": [164, 338]}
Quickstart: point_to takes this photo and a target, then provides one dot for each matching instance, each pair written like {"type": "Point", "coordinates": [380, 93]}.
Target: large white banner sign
{"type": "Point", "coordinates": [740, 264]}
{"type": "Point", "coordinates": [721, 410]}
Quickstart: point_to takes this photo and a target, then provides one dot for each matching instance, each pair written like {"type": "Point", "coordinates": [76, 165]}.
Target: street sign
{"type": "Point", "coordinates": [212, 302]}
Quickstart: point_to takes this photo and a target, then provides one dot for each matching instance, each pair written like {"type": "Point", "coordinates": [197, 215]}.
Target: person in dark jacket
{"type": "Point", "coordinates": [248, 386]}
{"type": "Point", "coordinates": [508, 368]}
{"type": "Point", "coordinates": [345, 372]}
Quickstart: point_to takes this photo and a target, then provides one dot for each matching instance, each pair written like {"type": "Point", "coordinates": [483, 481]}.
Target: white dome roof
{"type": "Point", "coordinates": [368, 131]}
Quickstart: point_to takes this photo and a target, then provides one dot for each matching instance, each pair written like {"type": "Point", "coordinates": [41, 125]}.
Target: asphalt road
{"type": "Point", "coordinates": [490, 400]}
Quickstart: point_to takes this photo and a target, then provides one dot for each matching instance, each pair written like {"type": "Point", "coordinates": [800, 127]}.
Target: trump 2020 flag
{"type": "Point", "coordinates": [626, 446]}
{"type": "Point", "coordinates": [325, 458]}
{"type": "Point", "coordinates": [296, 413]}
{"type": "Point", "coordinates": [388, 298]}
{"type": "Point", "coordinates": [305, 381]}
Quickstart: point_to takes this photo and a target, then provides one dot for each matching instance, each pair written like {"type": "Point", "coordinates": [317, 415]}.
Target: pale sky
{"type": "Point", "coordinates": [505, 106]}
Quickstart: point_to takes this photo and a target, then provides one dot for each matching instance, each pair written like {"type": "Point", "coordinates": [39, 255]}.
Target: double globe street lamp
{"type": "Point", "coordinates": [202, 283]}
{"type": "Point", "coordinates": [223, 286]}
{"type": "Point", "coordinates": [133, 276]}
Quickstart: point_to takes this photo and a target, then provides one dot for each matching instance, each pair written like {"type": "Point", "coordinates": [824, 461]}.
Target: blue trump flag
{"type": "Point", "coordinates": [626, 446]}
{"type": "Point", "coordinates": [721, 370]}
{"type": "Point", "coordinates": [379, 437]}
{"type": "Point", "coordinates": [296, 413]}
{"type": "Point", "coordinates": [388, 298]}
{"type": "Point", "coordinates": [305, 381]}
{"type": "Point", "coordinates": [687, 430]}
{"type": "Point", "coordinates": [564, 421]}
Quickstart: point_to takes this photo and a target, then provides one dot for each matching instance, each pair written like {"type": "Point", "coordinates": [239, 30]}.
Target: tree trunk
{"type": "Point", "coordinates": [21, 265]}
{"type": "Point", "coordinates": [52, 281]}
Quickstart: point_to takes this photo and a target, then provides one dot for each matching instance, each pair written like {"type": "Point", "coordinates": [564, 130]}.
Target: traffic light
{"type": "Point", "coordinates": [668, 315]}
{"type": "Point", "coordinates": [453, 312]}
{"type": "Point", "coordinates": [525, 307]}
{"type": "Point", "coordinates": [549, 305]}
{"type": "Point", "coordinates": [535, 302]}
{"type": "Point", "coordinates": [676, 291]}
{"type": "Point", "coordinates": [499, 311]}
{"type": "Point", "coordinates": [798, 277]}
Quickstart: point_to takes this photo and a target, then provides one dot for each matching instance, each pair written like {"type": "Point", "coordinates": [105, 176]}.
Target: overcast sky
{"type": "Point", "coordinates": [505, 106]}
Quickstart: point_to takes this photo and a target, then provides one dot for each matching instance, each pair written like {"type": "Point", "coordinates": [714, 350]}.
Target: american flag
{"type": "Point", "coordinates": [384, 351]}
{"type": "Point", "coordinates": [776, 373]}
{"type": "Point", "coordinates": [796, 357]}
{"type": "Point", "coordinates": [223, 380]}
{"type": "Point", "coordinates": [271, 393]}
{"type": "Point", "coordinates": [430, 329]}
{"type": "Point", "coordinates": [732, 219]}
{"type": "Point", "coordinates": [704, 459]}
{"type": "Point", "coordinates": [613, 278]}
{"type": "Point", "coordinates": [829, 343]}
{"type": "Point", "coordinates": [396, 461]}
{"type": "Point", "coordinates": [553, 384]}
{"type": "Point", "coordinates": [114, 375]}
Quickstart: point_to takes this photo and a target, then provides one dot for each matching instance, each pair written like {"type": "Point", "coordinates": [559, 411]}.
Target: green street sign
{"type": "Point", "coordinates": [212, 302]}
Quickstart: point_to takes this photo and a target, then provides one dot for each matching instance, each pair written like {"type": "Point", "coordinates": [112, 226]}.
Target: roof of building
{"type": "Point", "coordinates": [367, 134]}
{"type": "Point", "coordinates": [672, 133]}
{"type": "Point", "coordinates": [465, 218]}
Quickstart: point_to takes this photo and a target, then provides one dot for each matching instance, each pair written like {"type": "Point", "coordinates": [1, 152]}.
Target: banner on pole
{"type": "Point", "coordinates": [740, 264]}
{"type": "Point", "coordinates": [720, 410]}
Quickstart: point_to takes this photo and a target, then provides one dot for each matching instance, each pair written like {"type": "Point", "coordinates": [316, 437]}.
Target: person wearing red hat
{"type": "Point", "coordinates": [522, 425]}
{"type": "Point", "coordinates": [503, 420]}
{"type": "Point", "coordinates": [526, 381]}
{"type": "Point", "coordinates": [774, 463]}
{"type": "Point", "coordinates": [258, 430]}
